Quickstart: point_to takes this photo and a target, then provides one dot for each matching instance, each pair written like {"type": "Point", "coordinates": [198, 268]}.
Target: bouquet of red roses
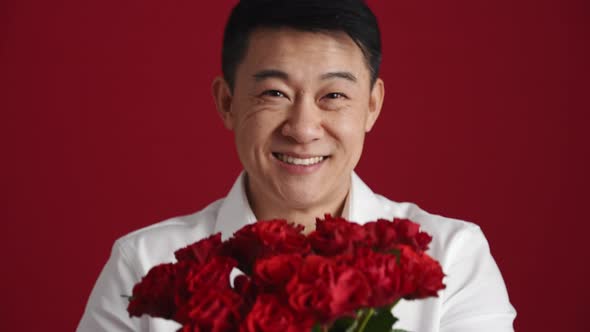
{"type": "Point", "coordinates": [341, 277]}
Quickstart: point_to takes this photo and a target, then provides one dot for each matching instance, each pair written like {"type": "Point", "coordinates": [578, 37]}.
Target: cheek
{"type": "Point", "coordinates": [348, 130]}
{"type": "Point", "coordinates": [254, 131]}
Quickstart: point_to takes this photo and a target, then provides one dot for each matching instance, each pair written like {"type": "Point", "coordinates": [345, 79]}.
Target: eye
{"type": "Point", "coordinates": [273, 93]}
{"type": "Point", "coordinates": [336, 95]}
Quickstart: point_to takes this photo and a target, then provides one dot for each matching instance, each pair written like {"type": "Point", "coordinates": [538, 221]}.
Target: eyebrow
{"type": "Point", "coordinates": [270, 73]}
{"type": "Point", "coordinates": [339, 74]}
{"type": "Point", "coordinates": [275, 73]}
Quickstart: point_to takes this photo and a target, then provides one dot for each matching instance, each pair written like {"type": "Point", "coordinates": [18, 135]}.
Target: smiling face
{"type": "Point", "coordinates": [300, 108]}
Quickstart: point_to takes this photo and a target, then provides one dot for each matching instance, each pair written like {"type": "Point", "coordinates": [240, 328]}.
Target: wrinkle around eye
{"type": "Point", "coordinates": [335, 100]}
{"type": "Point", "coordinates": [260, 110]}
{"type": "Point", "coordinates": [259, 104]}
{"type": "Point", "coordinates": [336, 104]}
{"type": "Point", "coordinates": [265, 99]}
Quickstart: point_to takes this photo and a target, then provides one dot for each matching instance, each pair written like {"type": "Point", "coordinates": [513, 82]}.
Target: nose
{"type": "Point", "coordinates": [304, 124]}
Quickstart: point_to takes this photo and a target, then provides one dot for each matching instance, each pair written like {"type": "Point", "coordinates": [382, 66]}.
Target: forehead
{"type": "Point", "coordinates": [302, 54]}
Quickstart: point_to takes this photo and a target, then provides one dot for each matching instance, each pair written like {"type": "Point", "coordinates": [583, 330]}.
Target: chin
{"type": "Point", "coordinates": [302, 199]}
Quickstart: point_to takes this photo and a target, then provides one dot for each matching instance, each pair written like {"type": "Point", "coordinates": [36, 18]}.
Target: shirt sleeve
{"type": "Point", "coordinates": [475, 298]}
{"type": "Point", "coordinates": [106, 309]}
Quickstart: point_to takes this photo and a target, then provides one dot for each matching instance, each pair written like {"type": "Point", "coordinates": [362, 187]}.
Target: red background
{"type": "Point", "coordinates": [108, 126]}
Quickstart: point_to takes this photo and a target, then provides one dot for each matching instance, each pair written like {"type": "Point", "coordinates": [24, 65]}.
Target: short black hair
{"type": "Point", "coordinates": [353, 17]}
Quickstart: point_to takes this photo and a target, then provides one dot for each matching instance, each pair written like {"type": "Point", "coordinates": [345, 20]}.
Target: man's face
{"type": "Point", "coordinates": [300, 108]}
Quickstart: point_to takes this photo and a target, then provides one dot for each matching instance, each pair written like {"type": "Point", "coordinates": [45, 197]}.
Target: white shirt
{"type": "Point", "coordinates": [475, 297]}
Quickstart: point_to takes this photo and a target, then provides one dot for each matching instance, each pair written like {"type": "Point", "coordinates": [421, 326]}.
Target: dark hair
{"type": "Point", "coordinates": [350, 16]}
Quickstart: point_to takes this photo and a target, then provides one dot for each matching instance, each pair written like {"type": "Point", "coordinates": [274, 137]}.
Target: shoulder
{"type": "Point", "coordinates": [449, 234]}
{"type": "Point", "coordinates": [429, 221]}
{"type": "Point", "coordinates": [156, 243]}
{"type": "Point", "coordinates": [176, 226]}
{"type": "Point", "coordinates": [475, 297]}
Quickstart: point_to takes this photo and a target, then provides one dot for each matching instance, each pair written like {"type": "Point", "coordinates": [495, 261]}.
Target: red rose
{"type": "Point", "coordinates": [382, 273]}
{"type": "Point", "coordinates": [385, 235]}
{"type": "Point", "coordinates": [155, 294]}
{"type": "Point", "coordinates": [273, 273]}
{"type": "Point", "coordinates": [281, 236]}
{"type": "Point", "coordinates": [263, 239]}
{"type": "Point", "coordinates": [381, 235]}
{"type": "Point", "coordinates": [286, 288]}
{"type": "Point", "coordinates": [350, 292]}
{"type": "Point", "coordinates": [245, 247]}
{"type": "Point", "coordinates": [324, 290]}
{"type": "Point", "coordinates": [200, 251]}
{"type": "Point", "coordinates": [334, 236]}
{"type": "Point", "coordinates": [421, 275]}
{"type": "Point", "coordinates": [196, 278]}
{"type": "Point", "coordinates": [211, 310]}
{"type": "Point", "coordinates": [410, 234]}
{"type": "Point", "coordinates": [269, 315]}
{"type": "Point", "coordinates": [215, 273]}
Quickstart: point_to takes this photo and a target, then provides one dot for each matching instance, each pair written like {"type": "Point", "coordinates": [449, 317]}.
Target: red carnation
{"type": "Point", "coordinates": [198, 278]}
{"type": "Point", "coordinates": [270, 315]}
{"type": "Point", "coordinates": [215, 273]}
{"type": "Point", "coordinates": [212, 310]}
{"type": "Point", "coordinates": [335, 236]}
{"type": "Point", "coordinates": [282, 236]}
{"type": "Point", "coordinates": [273, 273]}
{"type": "Point", "coordinates": [383, 275]}
{"type": "Point", "coordinates": [385, 235]}
{"type": "Point", "coordinates": [155, 294]}
{"type": "Point", "coordinates": [285, 287]}
{"type": "Point", "coordinates": [200, 251]}
{"type": "Point", "coordinates": [421, 275]}
{"type": "Point", "coordinates": [263, 239]}
{"type": "Point", "coordinates": [324, 290]}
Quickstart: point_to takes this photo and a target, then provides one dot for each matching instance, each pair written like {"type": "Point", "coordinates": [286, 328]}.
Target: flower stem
{"type": "Point", "coordinates": [366, 317]}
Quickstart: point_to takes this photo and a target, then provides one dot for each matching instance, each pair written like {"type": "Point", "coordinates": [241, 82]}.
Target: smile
{"type": "Point", "coordinates": [299, 161]}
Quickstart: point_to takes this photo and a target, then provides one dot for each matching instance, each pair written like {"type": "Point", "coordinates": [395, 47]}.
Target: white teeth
{"type": "Point", "coordinates": [298, 161]}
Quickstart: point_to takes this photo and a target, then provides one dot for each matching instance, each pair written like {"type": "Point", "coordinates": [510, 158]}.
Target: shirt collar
{"type": "Point", "coordinates": [362, 205]}
{"type": "Point", "coordinates": [235, 211]}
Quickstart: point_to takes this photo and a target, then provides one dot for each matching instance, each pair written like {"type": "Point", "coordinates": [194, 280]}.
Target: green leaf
{"type": "Point", "coordinates": [396, 252]}
{"type": "Point", "coordinates": [345, 324]}
{"type": "Point", "coordinates": [317, 328]}
{"type": "Point", "coordinates": [381, 321]}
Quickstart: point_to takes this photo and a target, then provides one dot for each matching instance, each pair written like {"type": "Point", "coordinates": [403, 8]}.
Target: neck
{"type": "Point", "coordinates": [268, 207]}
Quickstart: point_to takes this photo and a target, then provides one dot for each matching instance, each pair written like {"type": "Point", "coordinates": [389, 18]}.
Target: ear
{"type": "Point", "coordinates": [223, 100]}
{"type": "Point", "coordinates": [375, 103]}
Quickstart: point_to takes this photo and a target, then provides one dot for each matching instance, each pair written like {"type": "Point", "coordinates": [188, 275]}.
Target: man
{"type": "Point", "coordinates": [300, 90]}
